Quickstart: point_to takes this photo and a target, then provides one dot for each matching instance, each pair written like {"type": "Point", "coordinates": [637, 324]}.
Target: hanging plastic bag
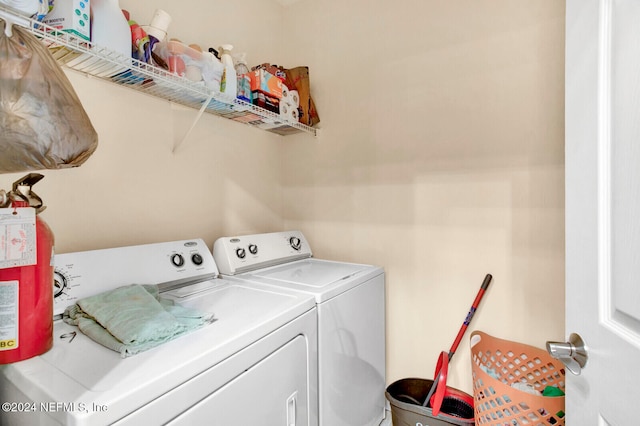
{"type": "Point", "coordinates": [42, 122]}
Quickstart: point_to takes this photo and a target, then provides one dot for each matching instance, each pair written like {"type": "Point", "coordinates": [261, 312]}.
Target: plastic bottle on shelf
{"type": "Point", "coordinates": [159, 25]}
{"type": "Point", "coordinates": [241, 63]}
{"type": "Point", "coordinates": [229, 82]}
{"type": "Point", "coordinates": [212, 70]}
{"type": "Point", "coordinates": [244, 80]}
{"type": "Point", "coordinates": [109, 26]}
{"type": "Point", "coordinates": [157, 29]}
{"type": "Point", "coordinates": [109, 29]}
{"type": "Point", "coordinates": [141, 49]}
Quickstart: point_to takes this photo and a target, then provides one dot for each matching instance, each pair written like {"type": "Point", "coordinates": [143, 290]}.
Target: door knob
{"type": "Point", "coordinates": [573, 354]}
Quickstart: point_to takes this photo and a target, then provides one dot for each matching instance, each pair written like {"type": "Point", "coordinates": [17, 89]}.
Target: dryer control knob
{"type": "Point", "coordinates": [253, 249]}
{"type": "Point", "coordinates": [241, 253]}
{"type": "Point", "coordinates": [295, 243]}
{"type": "Point", "coordinates": [177, 260]}
{"type": "Point", "coordinates": [197, 259]}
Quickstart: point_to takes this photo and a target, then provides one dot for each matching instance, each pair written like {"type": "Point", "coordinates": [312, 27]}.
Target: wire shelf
{"type": "Point", "coordinates": [90, 59]}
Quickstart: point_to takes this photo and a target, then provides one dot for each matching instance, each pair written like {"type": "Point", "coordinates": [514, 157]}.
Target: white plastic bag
{"type": "Point", "coordinates": [42, 122]}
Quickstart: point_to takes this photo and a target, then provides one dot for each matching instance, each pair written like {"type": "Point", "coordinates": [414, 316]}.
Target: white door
{"type": "Point", "coordinates": [603, 208]}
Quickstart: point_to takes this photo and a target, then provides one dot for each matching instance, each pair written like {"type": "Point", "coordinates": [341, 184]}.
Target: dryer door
{"type": "Point", "coordinates": [272, 392]}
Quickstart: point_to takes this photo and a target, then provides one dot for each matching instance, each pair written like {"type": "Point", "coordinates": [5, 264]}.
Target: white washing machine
{"type": "Point", "coordinates": [350, 302]}
{"type": "Point", "coordinates": [254, 365]}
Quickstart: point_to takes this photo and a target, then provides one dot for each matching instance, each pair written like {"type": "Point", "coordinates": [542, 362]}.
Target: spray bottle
{"type": "Point", "coordinates": [229, 82]}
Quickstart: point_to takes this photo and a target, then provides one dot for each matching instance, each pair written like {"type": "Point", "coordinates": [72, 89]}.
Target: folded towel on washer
{"type": "Point", "coordinates": [133, 318]}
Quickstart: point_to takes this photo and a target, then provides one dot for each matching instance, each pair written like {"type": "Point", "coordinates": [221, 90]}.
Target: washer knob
{"type": "Point", "coordinates": [59, 284]}
{"type": "Point", "coordinates": [197, 259]}
{"type": "Point", "coordinates": [295, 243]}
{"type": "Point", "coordinates": [253, 249]}
{"type": "Point", "coordinates": [177, 260]}
{"type": "Point", "coordinates": [241, 253]}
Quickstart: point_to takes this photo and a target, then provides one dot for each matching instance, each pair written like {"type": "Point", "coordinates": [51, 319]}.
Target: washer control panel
{"type": "Point", "coordinates": [170, 264]}
{"type": "Point", "coordinates": [234, 255]}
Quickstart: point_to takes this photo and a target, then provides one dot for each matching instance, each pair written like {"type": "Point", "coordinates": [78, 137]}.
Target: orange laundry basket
{"type": "Point", "coordinates": [496, 401]}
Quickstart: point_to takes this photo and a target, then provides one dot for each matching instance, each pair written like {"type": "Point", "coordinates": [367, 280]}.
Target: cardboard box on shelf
{"type": "Point", "coordinates": [270, 103]}
{"type": "Point", "coordinates": [71, 16]}
{"type": "Point", "coordinates": [267, 83]}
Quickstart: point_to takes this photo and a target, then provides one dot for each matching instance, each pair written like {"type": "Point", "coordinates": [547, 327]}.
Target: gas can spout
{"type": "Point", "coordinates": [22, 188]}
{"type": "Point", "coordinates": [28, 180]}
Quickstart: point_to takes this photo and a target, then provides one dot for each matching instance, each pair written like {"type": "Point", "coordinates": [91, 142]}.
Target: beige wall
{"type": "Point", "coordinates": [440, 158]}
{"type": "Point", "coordinates": [224, 179]}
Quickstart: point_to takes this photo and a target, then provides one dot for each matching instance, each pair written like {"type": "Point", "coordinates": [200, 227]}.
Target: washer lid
{"type": "Point", "coordinates": [80, 371]}
{"type": "Point", "coordinates": [322, 278]}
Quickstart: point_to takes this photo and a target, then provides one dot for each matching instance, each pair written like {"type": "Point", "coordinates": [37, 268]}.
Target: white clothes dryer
{"type": "Point", "coordinates": [255, 364]}
{"type": "Point", "coordinates": [350, 302]}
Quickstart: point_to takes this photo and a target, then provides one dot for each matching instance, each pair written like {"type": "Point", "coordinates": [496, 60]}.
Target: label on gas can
{"type": "Point", "coordinates": [17, 237]}
{"type": "Point", "coordinates": [8, 315]}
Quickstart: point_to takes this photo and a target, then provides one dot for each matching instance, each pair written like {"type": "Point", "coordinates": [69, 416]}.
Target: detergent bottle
{"type": "Point", "coordinates": [229, 82]}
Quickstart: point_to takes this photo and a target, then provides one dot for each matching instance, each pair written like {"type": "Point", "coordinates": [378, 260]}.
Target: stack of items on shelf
{"type": "Point", "coordinates": [283, 92]}
{"type": "Point", "coordinates": [191, 62]}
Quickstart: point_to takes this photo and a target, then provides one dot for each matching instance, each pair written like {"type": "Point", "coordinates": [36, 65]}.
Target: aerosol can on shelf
{"type": "Point", "coordinates": [26, 273]}
{"type": "Point", "coordinates": [229, 82]}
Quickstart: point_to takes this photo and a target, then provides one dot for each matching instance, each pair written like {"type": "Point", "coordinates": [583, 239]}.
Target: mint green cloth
{"type": "Point", "coordinates": [133, 318]}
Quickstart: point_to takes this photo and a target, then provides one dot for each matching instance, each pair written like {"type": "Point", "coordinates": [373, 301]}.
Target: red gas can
{"type": "Point", "coordinates": [26, 292]}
